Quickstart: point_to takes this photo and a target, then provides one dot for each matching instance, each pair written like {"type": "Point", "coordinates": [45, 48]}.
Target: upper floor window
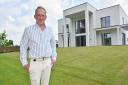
{"type": "Point", "coordinates": [80, 26]}
{"type": "Point", "coordinates": [105, 21]}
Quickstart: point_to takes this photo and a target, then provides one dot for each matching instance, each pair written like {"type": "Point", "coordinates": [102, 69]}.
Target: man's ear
{"type": "Point", "coordinates": [45, 17]}
{"type": "Point", "coordinates": [35, 16]}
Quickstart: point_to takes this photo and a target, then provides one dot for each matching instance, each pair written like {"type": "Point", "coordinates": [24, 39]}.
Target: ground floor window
{"type": "Point", "coordinates": [81, 40]}
{"type": "Point", "coordinates": [106, 38]}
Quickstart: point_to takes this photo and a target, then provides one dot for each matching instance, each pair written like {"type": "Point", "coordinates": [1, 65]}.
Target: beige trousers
{"type": "Point", "coordinates": [40, 71]}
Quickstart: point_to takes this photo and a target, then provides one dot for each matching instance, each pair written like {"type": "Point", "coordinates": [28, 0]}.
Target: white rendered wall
{"type": "Point", "coordinates": [113, 12]}
{"type": "Point", "coordinates": [123, 16]}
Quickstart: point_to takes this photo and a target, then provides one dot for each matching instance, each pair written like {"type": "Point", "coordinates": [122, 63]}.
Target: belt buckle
{"type": "Point", "coordinates": [34, 59]}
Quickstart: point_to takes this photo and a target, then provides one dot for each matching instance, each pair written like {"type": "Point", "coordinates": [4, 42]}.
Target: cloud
{"type": "Point", "coordinates": [66, 3]}
{"type": "Point", "coordinates": [8, 1]}
{"type": "Point", "coordinates": [25, 6]}
{"type": "Point", "coordinates": [11, 18]}
{"type": "Point", "coordinates": [108, 3]}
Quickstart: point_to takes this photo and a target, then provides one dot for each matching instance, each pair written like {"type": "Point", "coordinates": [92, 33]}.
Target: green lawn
{"type": "Point", "coordinates": [104, 65]}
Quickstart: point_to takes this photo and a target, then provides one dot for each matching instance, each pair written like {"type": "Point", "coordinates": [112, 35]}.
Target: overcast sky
{"type": "Point", "coordinates": [15, 15]}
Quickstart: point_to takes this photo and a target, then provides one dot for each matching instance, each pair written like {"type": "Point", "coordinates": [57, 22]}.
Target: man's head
{"type": "Point", "coordinates": [40, 15]}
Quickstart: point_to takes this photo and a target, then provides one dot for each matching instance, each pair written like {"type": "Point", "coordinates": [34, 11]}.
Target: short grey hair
{"type": "Point", "coordinates": [40, 7]}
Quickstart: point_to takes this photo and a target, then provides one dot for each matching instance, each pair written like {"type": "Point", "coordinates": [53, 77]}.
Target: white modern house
{"type": "Point", "coordinates": [84, 25]}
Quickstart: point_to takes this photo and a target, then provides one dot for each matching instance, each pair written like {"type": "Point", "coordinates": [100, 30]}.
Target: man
{"type": "Point", "coordinates": [42, 49]}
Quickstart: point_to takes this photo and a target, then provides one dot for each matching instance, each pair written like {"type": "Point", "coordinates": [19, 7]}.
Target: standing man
{"type": "Point", "coordinates": [42, 49]}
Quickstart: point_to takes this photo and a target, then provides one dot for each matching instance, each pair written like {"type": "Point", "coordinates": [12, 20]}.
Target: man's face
{"type": "Point", "coordinates": [40, 17]}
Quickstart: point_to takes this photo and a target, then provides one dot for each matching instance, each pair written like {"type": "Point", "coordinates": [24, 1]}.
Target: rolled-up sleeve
{"type": "Point", "coordinates": [24, 47]}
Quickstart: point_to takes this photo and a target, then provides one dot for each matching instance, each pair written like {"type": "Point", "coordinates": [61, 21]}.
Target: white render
{"type": "Point", "coordinates": [84, 26]}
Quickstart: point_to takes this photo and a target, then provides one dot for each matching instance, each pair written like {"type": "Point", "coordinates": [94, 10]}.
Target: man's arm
{"type": "Point", "coordinates": [53, 45]}
{"type": "Point", "coordinates": [23, 49]}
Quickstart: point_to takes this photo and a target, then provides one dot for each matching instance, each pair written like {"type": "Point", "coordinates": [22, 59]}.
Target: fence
{"type": "Point", "coordinates": [9, 49]}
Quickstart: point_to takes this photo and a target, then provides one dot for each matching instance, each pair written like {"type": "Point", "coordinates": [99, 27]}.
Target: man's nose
{"type": "Point", "coordinates": [41, 17]}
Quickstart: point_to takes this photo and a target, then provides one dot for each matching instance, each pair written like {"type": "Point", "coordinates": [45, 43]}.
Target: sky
{"type": "Point", "coordinates": [15, 15]}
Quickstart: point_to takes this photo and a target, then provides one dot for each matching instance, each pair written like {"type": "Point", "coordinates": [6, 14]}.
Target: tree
{"type": "Point", "coordinates": [3, 41]}
{"type": "Point", "coordinates": [3, 35]}
{"type": "Point", "coordinates": [10, 43]}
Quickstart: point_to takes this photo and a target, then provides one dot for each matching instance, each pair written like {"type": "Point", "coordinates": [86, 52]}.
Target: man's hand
{"type": "Point", "coordinates": [26, 67]}
{"type": "Point", "coordinates": [53, 61]}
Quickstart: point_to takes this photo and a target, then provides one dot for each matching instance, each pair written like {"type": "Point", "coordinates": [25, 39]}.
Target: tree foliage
{"type": "Point", "coordinates": [4, 41]}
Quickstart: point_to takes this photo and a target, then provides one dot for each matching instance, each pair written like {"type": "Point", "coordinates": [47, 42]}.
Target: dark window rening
{"type": "Point", "coordinates": [80, 26]}
{"type": "Point", "coordinates": [81, 40]}
{"type": "Point", "coordinates": [105, 21]}
{"type": "Point", "coordinates": [106, 39]}
{"type": "Point", "coordinates": [67, 27]}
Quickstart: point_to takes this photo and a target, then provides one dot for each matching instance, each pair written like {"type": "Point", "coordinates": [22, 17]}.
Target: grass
{"type": "Point", "coordinates": [104, 65]}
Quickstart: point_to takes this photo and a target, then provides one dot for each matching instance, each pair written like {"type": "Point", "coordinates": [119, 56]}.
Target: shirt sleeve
{"type": "Point", "coordinates": [53, 46]}
{"type": "Point", "coordinates": [24, 47]}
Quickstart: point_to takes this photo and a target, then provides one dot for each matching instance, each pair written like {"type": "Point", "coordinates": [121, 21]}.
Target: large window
{"type": "Point", "coordinates": [80, 26]}
{"type": "Point", "coordinates": [105, 21]}
{"type": "Point", "coordinates": [106, 39]}
{"type": "Point", "coordinates": [81, 40]}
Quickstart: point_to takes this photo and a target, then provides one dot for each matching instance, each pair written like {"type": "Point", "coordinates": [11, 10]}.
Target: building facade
{"type": "Point", "coordinates": [84, 25]}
